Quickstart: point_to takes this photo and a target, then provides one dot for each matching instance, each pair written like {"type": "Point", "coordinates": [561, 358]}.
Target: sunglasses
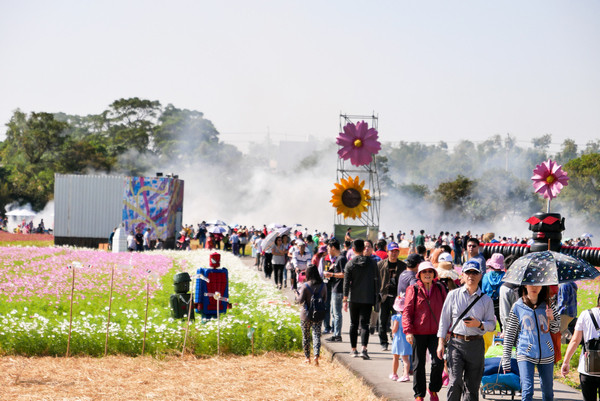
{"type": "Point", "coordinates": [471, 272]}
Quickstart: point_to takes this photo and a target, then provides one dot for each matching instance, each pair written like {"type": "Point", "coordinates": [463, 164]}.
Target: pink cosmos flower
{"type": "Point", "coordinates": [549, 179]}
{"type": "Point", "coordinates": [358, 143]}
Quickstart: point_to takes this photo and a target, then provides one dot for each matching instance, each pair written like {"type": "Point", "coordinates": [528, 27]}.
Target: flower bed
{"type": "Point", "coordinates": [35, 288]}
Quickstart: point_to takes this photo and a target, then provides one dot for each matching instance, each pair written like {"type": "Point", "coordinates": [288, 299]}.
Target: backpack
{"type": "Point", "coordinates": [316, 308]}
{"type": "Point", "coordinates": [591, 349]}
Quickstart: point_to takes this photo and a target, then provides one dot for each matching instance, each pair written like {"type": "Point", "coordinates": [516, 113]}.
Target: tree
{"type": "Point", "coordinates": [130, 123]}
{"type": "Point", "coordinates": [184, 135]}
{"type": "Point", "coordinates": [542, 142]}
{"type": "Point", "coordinates": [453, 195]}
{"type": "Point", "coordinates": [583, 191]}
{"type": "Point", "coordinates": [567, 152]}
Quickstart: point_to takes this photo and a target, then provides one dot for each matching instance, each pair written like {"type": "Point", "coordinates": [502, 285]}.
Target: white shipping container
{"type": "Point", "coordinates": [87, 206]}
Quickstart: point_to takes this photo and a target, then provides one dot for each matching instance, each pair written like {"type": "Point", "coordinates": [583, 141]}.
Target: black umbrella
{"type": "Point", "coordinates": [549, 268]}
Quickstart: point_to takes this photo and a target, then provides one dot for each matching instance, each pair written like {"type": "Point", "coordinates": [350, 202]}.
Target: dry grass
{"type": "Point", "coordinates": [266, 377]}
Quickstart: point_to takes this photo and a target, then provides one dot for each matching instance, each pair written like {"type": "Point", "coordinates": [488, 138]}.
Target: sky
{"type": "Point", "coordinates": [430, 70]}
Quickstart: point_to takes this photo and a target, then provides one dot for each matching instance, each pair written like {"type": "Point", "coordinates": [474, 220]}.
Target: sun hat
{"type": "Point", "coordinates": [392, 246]}
{"type": "Point", "coordinates": [445, 257]}
{"type": "Point", "coordinates": [472, 265]}
{"type": "Point", "coordinates": [446, 270]}
{"type": "Point", "coordinates": [496, 262]}
{"type": "Point", "coordinates": [413, 260]}
{"type": "Point", "coordinates": [426, 266]}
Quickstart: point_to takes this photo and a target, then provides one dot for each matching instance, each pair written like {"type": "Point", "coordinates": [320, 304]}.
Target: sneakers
{"type": "Point", "coordinates": [365, 355]}
{"type": "Point", "coordinates": [418, 398]}
{"type": "Point", "coordinates": [384, 347]}
{"type": "Point", "coordinates": [354, 354]}
{"type": "Point", "coordinates": [334, 339]}
{"type": "Point", "coordinates": [445, 379]}
{"type": "Point", "coordinates": [326, 331]}
{"type": "Point", "coordinates": [404, 379]}
{"type": "Point", "coordinates": [394, 377]}
{"type": "Point", "coordinates": [433, 396]}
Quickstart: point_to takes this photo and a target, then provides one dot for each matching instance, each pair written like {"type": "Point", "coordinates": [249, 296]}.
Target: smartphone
{"type": "Point", "coordinates": [467, 319]}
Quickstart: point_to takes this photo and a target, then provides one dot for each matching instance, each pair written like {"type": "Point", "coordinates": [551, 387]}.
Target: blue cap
{"type": "Point", "coordinates": [472, 264]}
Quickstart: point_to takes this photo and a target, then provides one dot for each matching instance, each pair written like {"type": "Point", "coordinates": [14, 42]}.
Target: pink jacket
{"type": "Point", "coordinates": [417, 317]}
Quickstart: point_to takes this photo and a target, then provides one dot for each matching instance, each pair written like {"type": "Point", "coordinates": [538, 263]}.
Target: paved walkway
{"type": "Point", "coordinates": [375, 371]}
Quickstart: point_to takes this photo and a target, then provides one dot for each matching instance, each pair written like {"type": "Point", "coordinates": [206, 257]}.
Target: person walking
{"type": "Point", "coordinates": [420, 321]}
{"type": "Point", "coordinates": [279, 253]}
{"type": "Point", "coordinates": [336, 280]}
{"type": "Point", "coordinates": [390, 269]}
{"type": "Point", "coordinates": [467, 314]}
{"type": "Point", "coordinates": [587, 328]}
{"type": "Point", "coordinates": [361, 288]}
{"type": "Point", "coordinates": [401, 349]}
{"type": "Point", "coordinates": [314, 285]}
{"type": "Point", "coordinates": [528, 328]}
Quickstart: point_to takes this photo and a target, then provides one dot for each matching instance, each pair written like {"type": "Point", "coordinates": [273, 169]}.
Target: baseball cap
{"type": "Point", "coordinates": [473, 265]}
{"type": "Point", "coordinates": [392, 246]}
{"type": "Point", "coordinates": [445, 257]}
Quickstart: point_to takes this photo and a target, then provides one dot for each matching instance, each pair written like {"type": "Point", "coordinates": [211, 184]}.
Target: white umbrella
{"type": "Point", "coordinates": [587, 235]}
{"type": "Point", "coordinates": [217, 223]}
{"type": "Point", "coordinates": [274, 226]}
{"type": "Point", "coordinates": [217, 230]}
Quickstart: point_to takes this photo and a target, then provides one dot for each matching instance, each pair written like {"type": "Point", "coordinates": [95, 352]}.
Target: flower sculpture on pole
{"type": "Point", "coordinates": [358, 143]}
{"type": "Point", "coordinates": [349, 198]}
{"type": "Point", "coordinates": [549, 179]}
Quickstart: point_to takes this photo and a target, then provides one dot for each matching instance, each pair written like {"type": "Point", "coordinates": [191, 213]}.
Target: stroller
{"type": "Point", "coordinates": [495, 381]}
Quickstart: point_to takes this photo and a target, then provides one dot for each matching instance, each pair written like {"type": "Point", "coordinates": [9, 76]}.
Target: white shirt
{"type": "Point", "coordinates": [585, 324]}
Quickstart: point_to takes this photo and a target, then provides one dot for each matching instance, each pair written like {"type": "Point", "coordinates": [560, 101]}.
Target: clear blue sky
{"type": "Point", "coordinates": [432, 70]}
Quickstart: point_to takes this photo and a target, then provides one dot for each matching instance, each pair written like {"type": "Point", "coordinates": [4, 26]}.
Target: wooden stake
{"type": "Point", "coordinates": [146, 318]}
{"type": "Point", "coordinates": [187, 327]}
{"type": "Point", "coordinates": [112, 276]}
{"type": "Point", "coordinates": [71, 312]}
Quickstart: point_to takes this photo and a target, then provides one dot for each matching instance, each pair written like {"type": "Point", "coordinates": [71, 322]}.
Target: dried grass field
{"type": "Point", "coordinates": [267, 377]}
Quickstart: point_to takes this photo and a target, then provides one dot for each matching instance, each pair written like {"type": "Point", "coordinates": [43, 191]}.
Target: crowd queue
{"type": "Point", "coordinates": [439, 301]}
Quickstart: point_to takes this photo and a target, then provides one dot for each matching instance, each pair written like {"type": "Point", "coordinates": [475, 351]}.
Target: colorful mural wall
{"type": "Point", "coordinates": [154, 202]}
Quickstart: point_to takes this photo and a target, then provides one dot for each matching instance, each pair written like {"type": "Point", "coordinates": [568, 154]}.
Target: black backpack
{"type": "Point", "coordinates": [316, 308]}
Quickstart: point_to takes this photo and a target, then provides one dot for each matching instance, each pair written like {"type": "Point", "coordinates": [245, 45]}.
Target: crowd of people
{"type": "Point", "coordinates": [439, 301]}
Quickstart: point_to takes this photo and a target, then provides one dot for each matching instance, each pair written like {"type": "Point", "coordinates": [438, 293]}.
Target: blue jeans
{"type": "Point", "coordinates": [546, 372]}
{"type": "Point", "coordinates": [336, 308]}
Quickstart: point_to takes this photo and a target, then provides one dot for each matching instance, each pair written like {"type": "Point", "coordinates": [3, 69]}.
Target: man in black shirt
{"type": "Point", "coordinates": [335, 274]}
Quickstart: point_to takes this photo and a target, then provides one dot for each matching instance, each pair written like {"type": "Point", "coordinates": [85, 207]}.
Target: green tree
{"type": "Point", "coordinates": [583, 191]}
{"type": "Point", "coordinates": [454, 195]}
{"type": "Point", "coordinates": [567, 152]}
{"type": "Point", "coordinates": [130, 124]}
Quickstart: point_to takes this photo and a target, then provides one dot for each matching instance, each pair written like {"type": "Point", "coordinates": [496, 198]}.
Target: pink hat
{"type": "Point", "coordinates": [426, 266]}
{"type": "Point", "coordinates": [496, 262]}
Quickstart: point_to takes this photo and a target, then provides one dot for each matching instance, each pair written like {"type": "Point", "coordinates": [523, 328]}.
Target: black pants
{"type": "Point", "coordinates": [385, 313]}
{"type": "Point", "coordinates": [590, 386]}
{"type": "Point", "coordinates": [497, 312]}
{"type": "Point", "coordinates": [359, 314]}
{"type": "Point", "coordinates": [278, 274]}
{"type": "Point", "coordinates": [267, 265]}
{"type": "Point", "coordinates": [422, 344]}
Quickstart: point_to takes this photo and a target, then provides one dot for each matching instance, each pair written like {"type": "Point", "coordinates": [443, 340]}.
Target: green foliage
{"type": "Point", "coordinates": [454, 195]}
{"type": "Point", "coordinates": [583, 190]}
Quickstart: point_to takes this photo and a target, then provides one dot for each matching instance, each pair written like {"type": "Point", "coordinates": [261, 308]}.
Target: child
{"type": "Point", "coordinates": [400, 348]}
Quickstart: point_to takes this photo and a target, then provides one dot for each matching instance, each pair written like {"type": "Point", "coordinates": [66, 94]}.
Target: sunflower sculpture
{"type": "Point", "coordinates": [349, 198]}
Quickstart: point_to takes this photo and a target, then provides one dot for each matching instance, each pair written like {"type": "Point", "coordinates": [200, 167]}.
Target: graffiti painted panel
{"type": "Point", "coordinates": [152, 202]}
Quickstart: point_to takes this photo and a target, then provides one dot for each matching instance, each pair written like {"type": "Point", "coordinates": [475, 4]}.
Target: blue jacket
{"type": "Point", "coordinates": [534, 340]}
{"type": "Point", "coordinates": [491, 282]}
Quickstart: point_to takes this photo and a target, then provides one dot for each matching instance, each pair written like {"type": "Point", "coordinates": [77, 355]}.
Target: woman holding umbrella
{"type": "Point", "coordinates": [528, 328]}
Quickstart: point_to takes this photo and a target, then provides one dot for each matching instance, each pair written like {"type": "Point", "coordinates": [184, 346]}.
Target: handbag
{"type": "Point", "coordinates": [591, 358]}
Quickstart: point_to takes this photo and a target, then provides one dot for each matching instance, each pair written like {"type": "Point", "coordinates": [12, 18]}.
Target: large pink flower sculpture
{"type": "Point", "coordinates": [549, 178]}
{"type": "Point", "coordinates": [358, 143]}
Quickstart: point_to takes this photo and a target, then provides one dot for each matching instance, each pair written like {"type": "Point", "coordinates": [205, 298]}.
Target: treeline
{"type": "Point", "coordinates": [470, 182]}
{"type": "Point", "coordinates": [489, 181]}
{"type": "Point", "coordinates": [132, 136]}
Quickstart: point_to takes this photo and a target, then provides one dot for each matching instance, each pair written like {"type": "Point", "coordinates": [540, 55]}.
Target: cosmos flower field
{"type": "Point", "coordinates": [35, 295]}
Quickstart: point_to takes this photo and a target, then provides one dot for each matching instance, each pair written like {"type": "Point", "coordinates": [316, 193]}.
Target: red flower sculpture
{"type": "Point", "coordinates": [359, 143]}
{"type": "Point", "coordinates": [549, 178]}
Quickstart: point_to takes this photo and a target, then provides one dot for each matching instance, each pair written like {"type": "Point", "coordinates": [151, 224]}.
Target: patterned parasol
{"type": "Point", "coordinates": [548, 268]}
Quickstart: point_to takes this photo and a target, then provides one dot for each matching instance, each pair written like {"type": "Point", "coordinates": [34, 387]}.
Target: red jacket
{"type": "Point", "coordinates": [417, 317]}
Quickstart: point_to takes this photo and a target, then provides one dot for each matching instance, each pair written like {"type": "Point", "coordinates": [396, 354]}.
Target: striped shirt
{"type": "Point", "coordinates": [511, 336]}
